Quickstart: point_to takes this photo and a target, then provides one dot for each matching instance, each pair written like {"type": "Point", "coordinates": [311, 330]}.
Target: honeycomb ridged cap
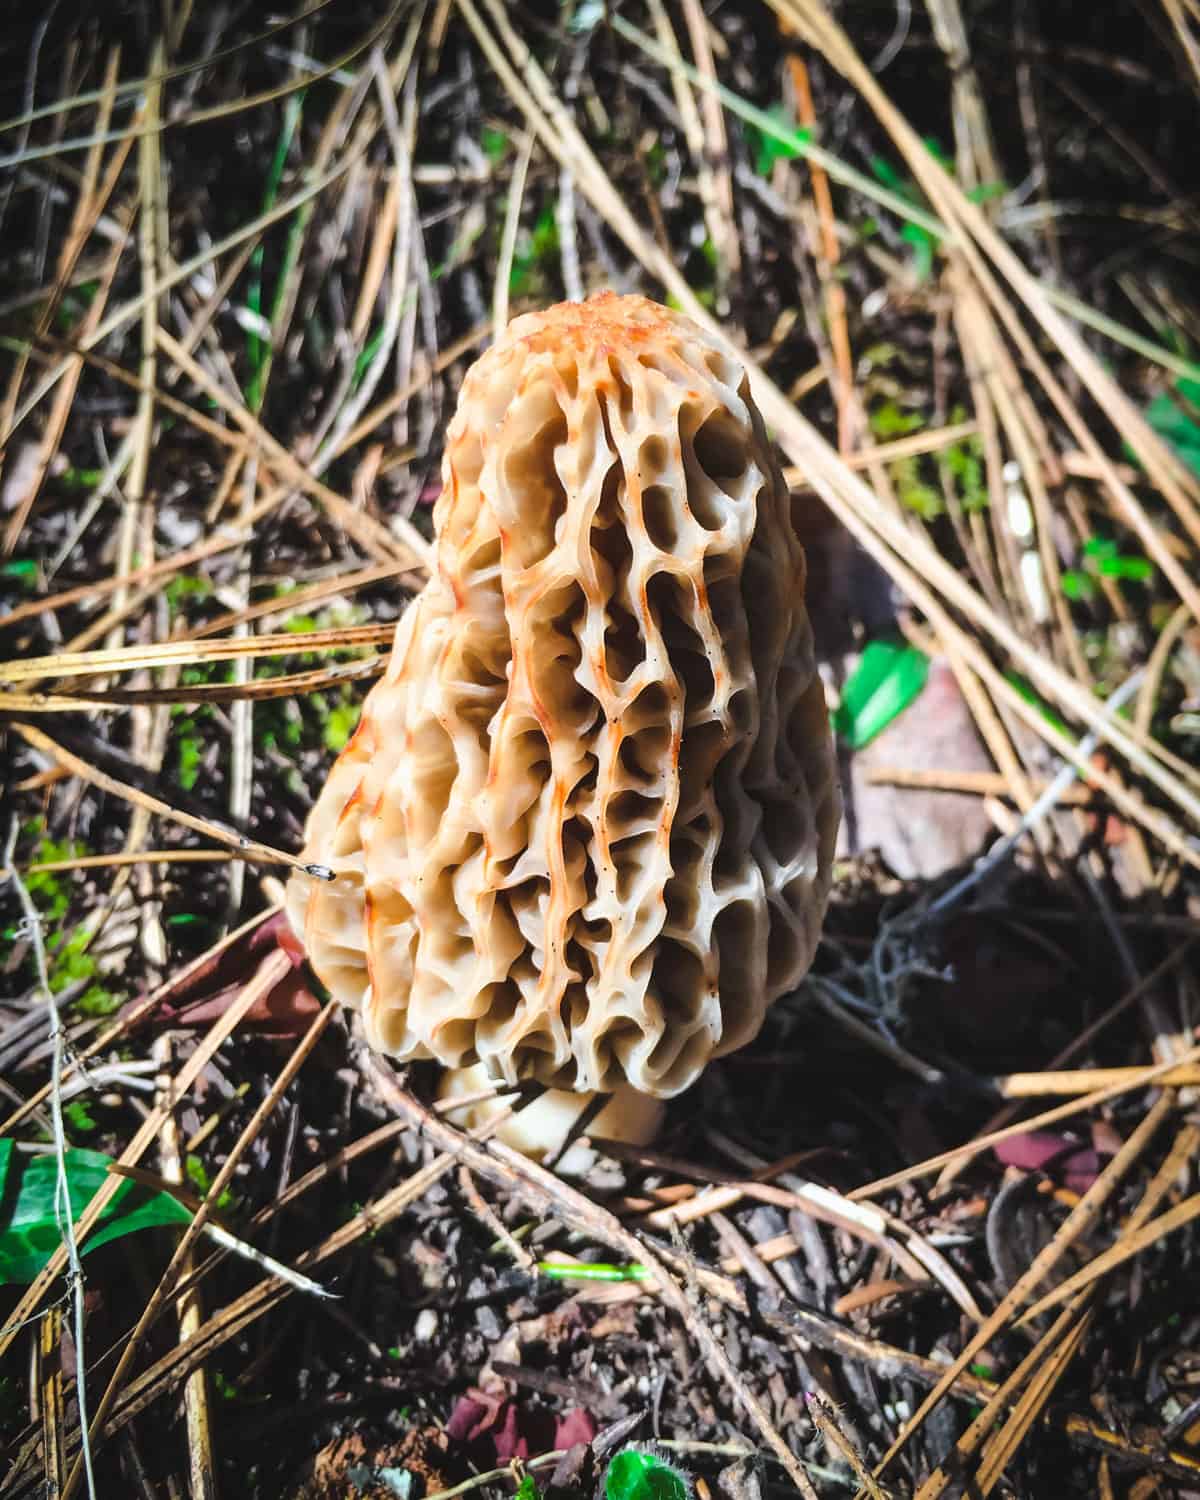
{"type": "Point", "coordinates": [585, 829]}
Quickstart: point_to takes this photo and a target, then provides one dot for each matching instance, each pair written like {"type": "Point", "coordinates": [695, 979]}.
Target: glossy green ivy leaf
{"type": "Point", "coordinates": [640, 1474]}
{"type": "Point", "coordinates": [29, 1232]}
{"type": "Point", "coordinates": [889, 676]}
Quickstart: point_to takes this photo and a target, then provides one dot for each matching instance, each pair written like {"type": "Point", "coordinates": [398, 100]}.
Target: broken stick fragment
{"type": "Point", "coordinates": [585, 829]}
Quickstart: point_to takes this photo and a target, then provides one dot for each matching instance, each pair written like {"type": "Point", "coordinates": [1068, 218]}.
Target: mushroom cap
{"type": "Point", "coordinates": [585, 829]}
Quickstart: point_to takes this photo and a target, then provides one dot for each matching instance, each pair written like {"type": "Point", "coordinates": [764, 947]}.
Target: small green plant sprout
{"type": "Point", "coordinates": [642, 1472]}
{"type": "Point", "coordinates": [1102, 558]}
{"type": "Point", "coordinates": [185, 586]}
{"type": "Point", "coordinates": [923, 241]}
{"type": "Point", "coordinates": [890, 421]}
{"type": "Point", "coordinates": [769, 148]}
{"type": "Point", "coordinates": [341, 720]}
{"type": "Point", "coordinates": [537, 250]}
{"type": "Point", "coordinates": [493, 143]}
{"type": "Point", "coordinates": [189, 748]}
{"type": "Point", "coordinates": [70, 963]}
{"type": "Point", "coordinates": [962, 463]}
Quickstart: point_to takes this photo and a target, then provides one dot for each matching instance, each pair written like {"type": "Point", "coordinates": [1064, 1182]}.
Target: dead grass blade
{"type": "Point", "coordinates": [254, 691]}
{"type": "Point", "coordinates": [185, 653]}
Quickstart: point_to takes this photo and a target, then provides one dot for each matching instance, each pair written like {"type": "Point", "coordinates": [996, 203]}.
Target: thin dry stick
{"type": "Point", "coordinates": [725, 238]}
{"type": "Point", "coordinates": [56, 422]}
{"type": "Point", "coordinates": [1003, 1445]}
{"type": "Point", "coordinates": [1128, 1246]}
{"type": "Point", "coordinates": [1187, 42]}
{"type": "Point", "coordinates": [976, 239]}
{"type": "Point", "coordinates": [50, 1396]}
{"type": "Point", "coordinates": [81, 226]}
{"type": "Point", "coordinates": [831, 287]}
{"type": "Point", "coordinates": [1084, 1081]}
{"type": "Point", "coordinates": [503, 1164]}
{"type": "Point", "coordinates": [1038, 1373]}
{"type": "Point", "coordinates": [1156, 666]}
{"type": "Point", "coordinates": [131, 310]}
{"type": "Point", "coordinates": [824, 1418]}
{"type": "Point", "coordinates": [915, 444]}
{"type": "Point", "coordinates": [968, 783]}
{"type": "Point", "coordinates": [487, 1216]}
{"type": "Point", "coordinates": [225, 541]}
{"type": "Point", "coordinates": [369, 533]}
{"type": "Point", "coordinates": [298, 599]}
{"type": "Point", "coordinates": [244, 1310]}
{"type": "Point", "coordinates": [145, 856]}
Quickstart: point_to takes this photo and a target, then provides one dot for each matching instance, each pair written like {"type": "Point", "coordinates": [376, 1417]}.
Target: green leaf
{"type": "Point", "coordinates": [1100, 548]}
{"type": "Point", "coordinates": [889, 676]}
{"type": "Point", "coordinates": [1077, 586]}
{"type": "Point", "coordinates": [78, 1117]}
{"type": "Point", "coordinates": [781, 144]}
{"type": "Point", "coordinates": [1136, 569]}
{"type": "Point", "coordinates": [528, 1489]}
{"type": "Point", "coordinates": [889, 421]}
{"type": "Point", "coordinates": [913, 493]}
{"type": "Point", "coordinates": [1174, 416]}
{"type": "Point", "coordinates": [887, 174]}
{"type": "Point", "coordinates": [23, 569]}
{"type": "Point", "coordinates": [924, 247]}
{"type": "Point", "coordinates": [640, 1474]}
{"type": "Point", "coordinates": [29, 1230]}
{"type": "Point", "coordinates": [340, 725]}
{"type": "Point", "coordinates": [494, 143]}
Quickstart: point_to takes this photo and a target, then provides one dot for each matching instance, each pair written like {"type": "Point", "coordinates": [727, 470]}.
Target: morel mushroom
{"type": "Point", "coordinates": [584, 831]}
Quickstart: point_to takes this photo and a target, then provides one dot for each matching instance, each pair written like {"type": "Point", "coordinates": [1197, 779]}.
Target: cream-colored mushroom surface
{"type": "Point", "coordinates": [584, 831]}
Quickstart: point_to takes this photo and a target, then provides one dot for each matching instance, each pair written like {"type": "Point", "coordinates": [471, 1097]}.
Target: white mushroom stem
{"type": "Point", "coordinates": [540, 1129]}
